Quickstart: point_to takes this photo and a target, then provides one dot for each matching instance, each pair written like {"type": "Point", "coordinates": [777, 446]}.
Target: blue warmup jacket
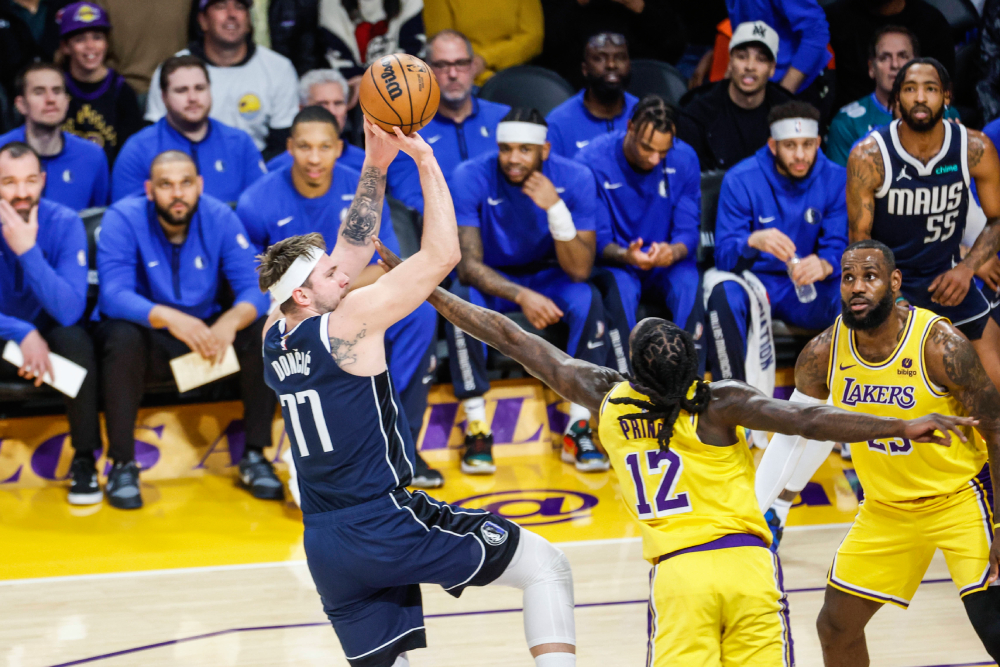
{"type": "Point", "coordinates": [77, 176]}
{"type": "Point", "coordinates": [139, 268]}
{"type": "Point", "coordinates": [453, 143]}
{"type": "Point", "coordinates": [351, 156]}
{"type": "Point", "coordinates": [227, 159]}
{"type": "Point", "coordinates": [571, 126]}
{"type": "Point", "coordinates": [52, 276]}
{"type": "Point", "coordinates": [803, 32]}
{"type": "Point", "coordinates": [663, 205]}
{"type": "Point", "coordinates": [272, 210]}
{"type": "Point", "coordinates": [811, 212]}
{"type": "Point", "coordinates": [514, 230]}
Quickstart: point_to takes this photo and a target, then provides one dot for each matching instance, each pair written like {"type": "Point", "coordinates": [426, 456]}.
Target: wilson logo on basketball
{"type": "Point", "coordinates": [392, 86]}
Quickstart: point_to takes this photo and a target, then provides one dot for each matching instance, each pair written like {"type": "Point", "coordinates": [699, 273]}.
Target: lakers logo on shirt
{"type": "Point", "coordinates": [250, 106]}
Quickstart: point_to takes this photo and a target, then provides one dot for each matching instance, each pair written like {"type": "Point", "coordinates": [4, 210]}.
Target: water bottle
{"type": "Point", "coordinates": [806, 293]}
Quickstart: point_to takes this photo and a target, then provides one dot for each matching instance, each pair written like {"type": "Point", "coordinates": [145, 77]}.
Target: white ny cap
{"type": "Point", "coordinates": [755, 31]}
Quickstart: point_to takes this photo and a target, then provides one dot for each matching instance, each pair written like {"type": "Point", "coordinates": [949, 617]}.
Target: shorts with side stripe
{"type": "Point", "coordinates": [969, 317]}
{"type": "Point", "coordinates": [719, 605]}
{"type": "Point", "coordinates": [368, 562]}
{"type": "Point", "coordinates": [888, 549]}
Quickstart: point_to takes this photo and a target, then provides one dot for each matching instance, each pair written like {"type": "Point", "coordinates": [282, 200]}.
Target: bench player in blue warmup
{"type": "Point", "coordinates": [369, 542]}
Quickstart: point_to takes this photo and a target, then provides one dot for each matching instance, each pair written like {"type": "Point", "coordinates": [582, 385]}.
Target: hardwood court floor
{"type": "Point", "coordinates": [206, 576]}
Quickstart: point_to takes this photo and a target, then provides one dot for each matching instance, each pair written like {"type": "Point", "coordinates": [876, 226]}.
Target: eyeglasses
{"type": "Point", "coordinates": [463, 65]}
{"type": "Point", "coordinates": [605, 38]}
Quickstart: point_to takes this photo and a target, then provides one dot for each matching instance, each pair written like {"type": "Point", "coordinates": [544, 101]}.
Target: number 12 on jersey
{"type": "Point", "coordinates": [666, 501]}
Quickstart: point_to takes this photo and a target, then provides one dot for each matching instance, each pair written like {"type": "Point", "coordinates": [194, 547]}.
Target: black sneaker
{"type": "Point", "coordinates": [580, 450]}
{"type": "Point", "coordinates": [425, 477]}
{"type": "Point", "coordinates": [478, 456]}
{"type": "Point", "coordinates": [122, 488]}
{"type": "Point", "coordinates": [84, 489]}
{"type": "Point", "coordinates": [257, 474]}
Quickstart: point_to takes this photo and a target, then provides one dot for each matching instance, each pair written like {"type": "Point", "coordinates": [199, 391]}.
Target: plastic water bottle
{"type": "Point", "coordinates": [806, 293]}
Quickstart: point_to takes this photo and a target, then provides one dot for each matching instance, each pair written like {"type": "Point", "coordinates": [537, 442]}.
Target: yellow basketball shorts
{"type": "Point", "coordinates": [887, 551]}
{"type": "Point", "coordinates": [719, 607]}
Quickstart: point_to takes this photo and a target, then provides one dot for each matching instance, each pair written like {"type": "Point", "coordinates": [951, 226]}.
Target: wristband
{"type": "Point", "coordinates": [561, 222]}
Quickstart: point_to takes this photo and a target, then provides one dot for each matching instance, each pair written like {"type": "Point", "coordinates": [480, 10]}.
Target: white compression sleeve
{"type": "Point", "coordinates": [812, 458]}
{"type": "Point", "coordinates": [543, 573]}
{"type": "Point", "coordinates": [780, 459]}
{"type": "Point", "coordinates": [401, 661]}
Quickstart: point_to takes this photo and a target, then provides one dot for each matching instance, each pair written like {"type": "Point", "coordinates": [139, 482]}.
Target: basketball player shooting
{"type": "Point", "coordinates": [369, 542]}
{"type": "Point", "coordinates": [687, 475]}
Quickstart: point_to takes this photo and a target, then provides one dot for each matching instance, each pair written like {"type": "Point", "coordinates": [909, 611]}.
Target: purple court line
{"type": "Point", "coordinates": [209, 635]}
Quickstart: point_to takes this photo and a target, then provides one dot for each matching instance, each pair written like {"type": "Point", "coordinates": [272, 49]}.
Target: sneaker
{"type": "Point", "coordinates": [122, 488]}
{"type": "Point", "coordinates": [424, 476]}
{"type": "Point", "coordinates": [257, 474]}
{"type": "Point", "coordinates": [845, 451]}
{"type": "Point", "coordinates": [777, 532]}
{"type": "Point", "coordinates": [84, 489]}
{"type": "Point", "coordinates": [580, 450]}
{"type": "Point", "coordinates": [478, 457]}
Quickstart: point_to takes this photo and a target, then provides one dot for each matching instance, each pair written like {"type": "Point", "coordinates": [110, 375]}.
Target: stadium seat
{"type": "Point", "coordinates": [964, 80]}
{"type": "Point", "coordinates": [527, 86]}
{"type": "Point", "coordinates": [961, 16]}
{"type": "Point", "coordinates": [405, 224]}
{"type": "Point", "coordinates": [653, 77]}
{"type": "Point", "coordinates": [711, 186]}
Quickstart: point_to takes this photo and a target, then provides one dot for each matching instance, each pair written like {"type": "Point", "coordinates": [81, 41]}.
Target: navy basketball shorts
{"type": "Point", "coordinates": [368, 562]}
{"type": "Point", "coordinates": [969, 317]}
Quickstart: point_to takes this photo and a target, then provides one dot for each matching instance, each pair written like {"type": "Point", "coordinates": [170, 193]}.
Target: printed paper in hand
{"type": "Point", "coordinates": [192, 370]}
{"type": "Point", "coordinates": [69, 376]}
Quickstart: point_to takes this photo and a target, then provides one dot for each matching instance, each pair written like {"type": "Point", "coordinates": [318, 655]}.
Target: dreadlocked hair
{"type": "Point", "coordinates": [665, 362]}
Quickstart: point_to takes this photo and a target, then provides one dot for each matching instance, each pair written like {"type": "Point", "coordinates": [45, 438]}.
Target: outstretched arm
{"type": "Point", "coordinates": [865, 172]}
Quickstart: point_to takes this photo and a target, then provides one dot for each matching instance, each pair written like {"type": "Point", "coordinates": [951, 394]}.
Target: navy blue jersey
{"type": "Point", "coordinates": [920, 209]}
{"type": "Point", "coordinates": [350, 442]}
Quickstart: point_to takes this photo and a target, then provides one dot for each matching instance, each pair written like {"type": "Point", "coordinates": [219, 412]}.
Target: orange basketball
{"type": "Point", "coordinates": [399, 90]}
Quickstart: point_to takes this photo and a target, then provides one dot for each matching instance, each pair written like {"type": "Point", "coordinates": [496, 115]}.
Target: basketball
{"type": "Point", "coordinates": [399, 91]}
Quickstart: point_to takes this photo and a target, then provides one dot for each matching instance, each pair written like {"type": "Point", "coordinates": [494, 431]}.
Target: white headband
{"type": "Point", "coordinates": [794, 128]}
{"type": "Point", "coordinates": [516, 132]}
{"type": "Point", "coordinates": [296, 274]}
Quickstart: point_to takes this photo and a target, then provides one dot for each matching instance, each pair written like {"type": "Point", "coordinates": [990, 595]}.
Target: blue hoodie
{"type": "Point", "coordinates": [76, 176]}
{"type": "Point", "coordinates": [571, 126]}
{"type": "Point", "coordinates": [811, 212]}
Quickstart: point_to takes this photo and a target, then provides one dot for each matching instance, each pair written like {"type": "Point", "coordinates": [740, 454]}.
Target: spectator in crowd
{"type": "Point", "coordinates": [160, 262]}
{"type": "Point", "coordinates": [146, 34]}
{"type": "Point", "coordinates": [254, 88]}
{"type": "Point", "coordinates": [603, 105]}
{"type": "Point", "coordinates": [785, 202]}
{"type": "Point", "coordinates": [526, 229]}
{"type": "Point", "coordinates": [294, 31]}
{"type": "Point", "coordinates": [326, 88]}
{"type": "Point", "coordinates": [892, 47]}
{"type": "Point", "coordinates": [500, 39]}
{"type": "Point", "coordinates": [17, 49]}
{"type": "Point", "coordinates": [43, 292]}
{"type": "Point", "coordinates": [463, 127]}
{"type": "Point", "coordinates": [728, 121]}
{"type": "Point", "coordinates": [802, 34]}
{"type": "Point", "coordinates": [648, 215]}
{"type": "Point", "coordinates": [42, 19]}
{"type": "Point", "coordinates": [853, 23]}
{"type": "Point", "coordinates": [76, 169]}
{"type": "Point", "coordinates": [102, 108]}
{"type": "Point", "coordinates": [315, 195]}
{"type": "Point", "coordinates": [988, 87]}
{"type": "Point", "coordinates": [226, 157]}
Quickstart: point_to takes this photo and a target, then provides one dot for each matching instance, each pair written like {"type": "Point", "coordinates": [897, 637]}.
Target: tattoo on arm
{"type": "Point", "coordinates": [865, 173]}
{"type": "Point", "coordinates": [813, 366]}
{"type": "Point", "coordinates": [976, 149]}
{"type": "Point", "coordinates": [987, 244]}
{"type": "Point", "coordinates": [472, 270]}
{"type": "Point", "coordinates": [363, 217]}
{"type": "Point", "coordinates": [342, 349]}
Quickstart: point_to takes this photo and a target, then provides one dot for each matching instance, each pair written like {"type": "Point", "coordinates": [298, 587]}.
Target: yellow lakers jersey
{"type": "Point", "coordinates": [895, 469]}
{"type": "Point", "coordinates": [689, 495]}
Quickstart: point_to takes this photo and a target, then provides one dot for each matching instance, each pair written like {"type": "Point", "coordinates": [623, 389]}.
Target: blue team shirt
{"type": "Point", "coordinates": [514, 230]}
{"type": "Point", "coordinates": [571, 126]}
{"type": "Point", "coordinates": [77, 176]}
{"type": "Point", "coordinates": [352, 157]}
{"type": "Point", "coordinates": [272, 210]}
{"type": "Point", "coordinates": [227, 159]}
{"type": "Point", "coordinates": [139, 268]}
{"type": "Point", "coordinates": [51, 277]}
{"type": "Point", "coordinates": [453, 143]}
{"type": "Point", "coordinates": [811, 212]}
{"type": "Point", "coordinates": [663, 205]}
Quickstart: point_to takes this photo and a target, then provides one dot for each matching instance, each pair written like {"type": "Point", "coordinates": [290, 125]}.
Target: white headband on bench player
{"type": "Point", "coordinates": [516, 132]}
{"type": "Point", "coordinates": [794, 128]}
{"type": "Point", "coordinates": [297, 273]}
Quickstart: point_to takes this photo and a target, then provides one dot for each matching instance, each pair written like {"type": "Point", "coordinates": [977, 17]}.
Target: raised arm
{"type": "Point", "coordinates": [865, 173]}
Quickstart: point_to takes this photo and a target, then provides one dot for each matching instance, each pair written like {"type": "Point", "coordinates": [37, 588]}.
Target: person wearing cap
{"type": "Point", "coordinates": [785, 202]}
{"type": "Point", "coordinates": [253, 88]}
{"type": "Point", "coordinates": [226, 157]}
{"type": "Point", "coordinates": [76, 169]}
{"type": "Point", "coordinates": [726, 122]}
{"type": "Point", "coordinates": [160, 259]}
{"type": "Point", "coordinates": [527, 232]}
{"type": "Point", "coordinates": [603, 105]}
{"type": "Point", "coordinates": [102, 108]}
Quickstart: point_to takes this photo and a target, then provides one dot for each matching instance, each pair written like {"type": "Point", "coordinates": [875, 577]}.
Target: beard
{"type": "Point", "coordinates": [788, 172]}
{"type": "Point", "coordinates": [921, 126]}
{"type": "Point", "coordinates": [604, 92]}
{"type": "Point", "coordinates": [875, 317]}
{"type": "Point", "coordinates": [165, 214]}
{"type": "Point", "coordinates": [26, 213]}
{"type": "Point", "coordinates": [537, 166]}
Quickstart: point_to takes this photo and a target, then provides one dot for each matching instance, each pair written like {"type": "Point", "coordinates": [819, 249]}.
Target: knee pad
{"type": "Point", "coordinates": [983, 608]}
